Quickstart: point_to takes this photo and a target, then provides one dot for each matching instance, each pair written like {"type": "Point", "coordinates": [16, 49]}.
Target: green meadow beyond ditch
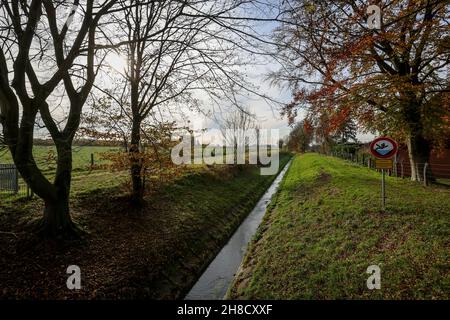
{"type": "Point", "coordinates": [324, 228]}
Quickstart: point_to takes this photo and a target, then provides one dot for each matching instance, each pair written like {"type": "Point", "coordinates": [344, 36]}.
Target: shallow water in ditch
{"type": "Point", "coordinates": [214, 282]}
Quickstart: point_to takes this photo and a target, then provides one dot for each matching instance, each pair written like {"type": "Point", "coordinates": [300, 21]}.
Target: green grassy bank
{"type": "Point", "coordinates": [157, 252]}
{"type": "Point", "coordinates": [324, 229]}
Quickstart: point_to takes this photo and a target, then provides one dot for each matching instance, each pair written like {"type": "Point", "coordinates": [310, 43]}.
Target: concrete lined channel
{"type": "Point", "coordinates": [214, 282]}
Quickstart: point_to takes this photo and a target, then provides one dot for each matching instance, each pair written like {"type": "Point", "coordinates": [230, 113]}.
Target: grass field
{"type": "Point", "coordinates": [47, 163]}
{"type": "Point", "coordinates": [84, 177]}
{"type": "Point", "coordinates": [325, 228]}
{"type": "Point", "coordinates": [157, 252]}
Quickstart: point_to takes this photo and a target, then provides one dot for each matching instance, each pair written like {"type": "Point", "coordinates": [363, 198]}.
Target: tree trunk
{"type": "Point", "coordinates": [125, 145]}
{"type": "Point", "coordinates": [419, 154]}
{"type": "Point", "coordinates": [137, 196]}
{"type": "Point", "coordinates": [418, 147]}
{"type": "Point", "coordinates": [258, 161]}
{"type": "Point", "coordinates": [57, 222]}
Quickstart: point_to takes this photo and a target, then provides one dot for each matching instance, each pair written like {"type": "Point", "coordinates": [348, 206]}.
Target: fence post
{"type": "Point", "coordinates": [17, 180]}
{"type": "Point", "coordinates": [92, 160]}
{"type": "Point", "coordinates": [395, 168]}
{"type": "Point", "coordinates": [425, 180]}
{"type": "Point", "coordinates": [401, 168]}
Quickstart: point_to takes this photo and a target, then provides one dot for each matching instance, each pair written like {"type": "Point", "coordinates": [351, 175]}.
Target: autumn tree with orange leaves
{"type": "Point", "coordinates": [393, 79]}
{"type": "Point", "coordinates": [300, 137]}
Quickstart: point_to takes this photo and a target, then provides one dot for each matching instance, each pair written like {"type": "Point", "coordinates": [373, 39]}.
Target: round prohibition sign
{"type": "Point", "coordinates": [383, 148]}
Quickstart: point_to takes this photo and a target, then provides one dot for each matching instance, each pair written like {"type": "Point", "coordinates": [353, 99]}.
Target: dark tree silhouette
{"type": "Point", "coordinates": [41, 54]}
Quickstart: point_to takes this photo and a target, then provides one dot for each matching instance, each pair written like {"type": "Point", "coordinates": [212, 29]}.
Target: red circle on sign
{"type": "Point", "coordinates": [383, 148]}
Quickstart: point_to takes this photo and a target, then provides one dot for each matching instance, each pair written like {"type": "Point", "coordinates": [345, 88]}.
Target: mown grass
{"type": "Point", "coordinates": [46, 161]}
{"type": "Point", "coordinates": [325, 228]}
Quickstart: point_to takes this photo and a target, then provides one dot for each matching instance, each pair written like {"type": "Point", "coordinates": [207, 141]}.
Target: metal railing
{"type": "Point", "coordinates": [11, 184]}
{"type": "Point", "coordinates": [9, 178]}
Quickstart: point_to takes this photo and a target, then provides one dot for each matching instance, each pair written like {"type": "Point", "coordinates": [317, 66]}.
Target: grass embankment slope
{"type": "Point", "coordinates": [157, 252]}
{"type": "Point", "coordinates": [324, 228]}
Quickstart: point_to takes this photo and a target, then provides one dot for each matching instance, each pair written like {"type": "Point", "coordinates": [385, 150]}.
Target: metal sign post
{"type": "Point", "coordinates": [383, 149]}
{"type": "Point", "coordinates": [383, 190]}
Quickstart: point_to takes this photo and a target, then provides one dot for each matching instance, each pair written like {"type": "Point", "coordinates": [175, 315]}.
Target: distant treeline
{"type": "Point", "coordinates": [81, 143]}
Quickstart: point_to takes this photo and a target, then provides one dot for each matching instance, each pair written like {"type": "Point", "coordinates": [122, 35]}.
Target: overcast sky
{"type": "Point", "coordinates": [268, 115]}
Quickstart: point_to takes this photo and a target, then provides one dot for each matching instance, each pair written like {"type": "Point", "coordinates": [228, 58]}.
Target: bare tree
{"type": "Point", "coordinates": [44, 56]}
{"type": "Point", "coordinates": [174, 49]}
{"type": "Point", "coordinates": [153, 53]}
{"type": "Point", "coordinates": [235, 126]}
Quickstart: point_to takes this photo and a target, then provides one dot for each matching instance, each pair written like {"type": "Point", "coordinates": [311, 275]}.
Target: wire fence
{"type": "Point", "coordinates": [427, 173]}
{"type": "Point", "coordinates": [12, 185]}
